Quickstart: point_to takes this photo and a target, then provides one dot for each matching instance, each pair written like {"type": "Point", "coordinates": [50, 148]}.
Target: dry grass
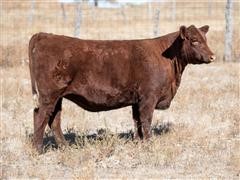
{"type": "Point", "coordinates": [198, 137]}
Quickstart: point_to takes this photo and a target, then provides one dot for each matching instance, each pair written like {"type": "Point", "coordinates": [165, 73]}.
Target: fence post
{"type": "Point", "coordinates": [31, 15]}
{"type": "Point", "coordinates": [150, 10]}
{"type": "Point", "coordinates": [173, 10]}
{"type": "Point", "coordinates": [96, 3]}
{"type": "Point", "coordinates": [122, 9]}
{"type": "Point", "coordinates": [209, 8]}
{"type": "Point", "coordinates": [228, 31]}
{"type": "Point", "coordinates": [93, 15]}
{"type": "Point", "coordinates": [156, 29]}
{"type": "Point", "coordinates": [63, 12]}
{"type": "Point", "coordinates": [78, 19]}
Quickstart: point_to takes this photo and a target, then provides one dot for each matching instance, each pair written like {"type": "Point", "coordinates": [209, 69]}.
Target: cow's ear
{"type": "Point", "coordinates": [204, 28]}
{"type": "Point", "coordinates": [183, 32]}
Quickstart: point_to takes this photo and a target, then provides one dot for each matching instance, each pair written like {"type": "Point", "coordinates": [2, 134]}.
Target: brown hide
{"type": "Point", "coordinates": [101, 75]}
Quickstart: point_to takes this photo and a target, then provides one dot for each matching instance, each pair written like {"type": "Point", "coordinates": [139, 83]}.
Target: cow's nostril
{"type": "Point", "coordinates": [212, 58]}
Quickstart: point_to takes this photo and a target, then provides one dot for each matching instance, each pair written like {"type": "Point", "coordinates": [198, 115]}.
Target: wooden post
{"type": "Point", "coordinates": [150, 10]}
{"type": "Point", "coordinates": [78, 19]}
{"type": "Point", "coordinates": [63, 12]}
{"type": "Point", "coordinates": [156, 29]}
{"type": "Point", "coordinates": [96, 3]}
{"type": "Point", "coordinates": [228, 31]}
{"type": "Point", "coordinates": [173, 10]}
{"type": "Point", "coordinates": [209, 8]}
{"type": "Point", "coordinates": [31, 15]}
{"type": "Point", "coordinates": [122, 9]}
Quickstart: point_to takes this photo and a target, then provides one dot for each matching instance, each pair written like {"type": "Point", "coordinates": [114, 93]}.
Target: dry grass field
{"type": "Point", "coordinates": [197, 137]}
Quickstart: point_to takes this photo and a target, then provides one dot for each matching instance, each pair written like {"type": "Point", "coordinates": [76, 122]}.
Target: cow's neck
{"type": "Point", "coordinates": [171, 49]}
{"type": "Point", "coordinates": [179, 66]}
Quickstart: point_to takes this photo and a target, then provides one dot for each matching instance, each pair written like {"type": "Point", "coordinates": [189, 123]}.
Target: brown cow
{"type": "Point", "coordinates": [101, 75]}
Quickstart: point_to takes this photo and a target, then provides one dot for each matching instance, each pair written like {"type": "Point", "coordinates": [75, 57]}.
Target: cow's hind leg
{"type": "Point", "coordinates": [138, 134]}
{"type": "Point", "coordinates": [55, 124]}
{"type": "Point", "coordinates": [41, 118]}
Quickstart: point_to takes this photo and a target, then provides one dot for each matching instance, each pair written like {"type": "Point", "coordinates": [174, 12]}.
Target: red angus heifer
{"type": "Point", "coordinates": [105, 75]}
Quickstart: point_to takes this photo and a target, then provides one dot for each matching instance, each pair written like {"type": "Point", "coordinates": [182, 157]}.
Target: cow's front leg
{"type": "Point", "coordinates": [138, 134]}
{"type": "Point", "coordinates": [146, 109]}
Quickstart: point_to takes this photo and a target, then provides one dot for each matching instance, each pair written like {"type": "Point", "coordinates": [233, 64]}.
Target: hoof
{"type": "Point", "coordinates": [39, 149]}
{"type": "Point", "coordinates": [62, 144]}
{"type": "Point", "coordinates": [136, 137]}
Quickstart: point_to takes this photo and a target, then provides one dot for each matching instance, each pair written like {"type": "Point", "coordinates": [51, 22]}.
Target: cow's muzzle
{"type": "Point", "coordinates": [212, 58]}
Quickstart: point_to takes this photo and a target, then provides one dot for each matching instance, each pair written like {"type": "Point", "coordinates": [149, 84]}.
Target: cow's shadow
{"type": "Point", "coordinates": [76, 138]}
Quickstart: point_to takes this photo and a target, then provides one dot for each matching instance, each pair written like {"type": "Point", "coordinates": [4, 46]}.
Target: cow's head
{"type": "Point", "coordinates": [195, 49]}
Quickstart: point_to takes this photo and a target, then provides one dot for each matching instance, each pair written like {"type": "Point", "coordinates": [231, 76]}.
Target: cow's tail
{"type": "Point", "coordinates": [31, 51]}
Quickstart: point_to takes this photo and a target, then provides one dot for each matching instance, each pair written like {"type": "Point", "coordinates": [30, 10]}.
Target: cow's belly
{"type": "Point", "coordinates": [100, 100]}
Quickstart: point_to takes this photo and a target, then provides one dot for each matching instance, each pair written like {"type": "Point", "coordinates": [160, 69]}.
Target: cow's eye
{"type": "Point", "coordinates": [195, 43]}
